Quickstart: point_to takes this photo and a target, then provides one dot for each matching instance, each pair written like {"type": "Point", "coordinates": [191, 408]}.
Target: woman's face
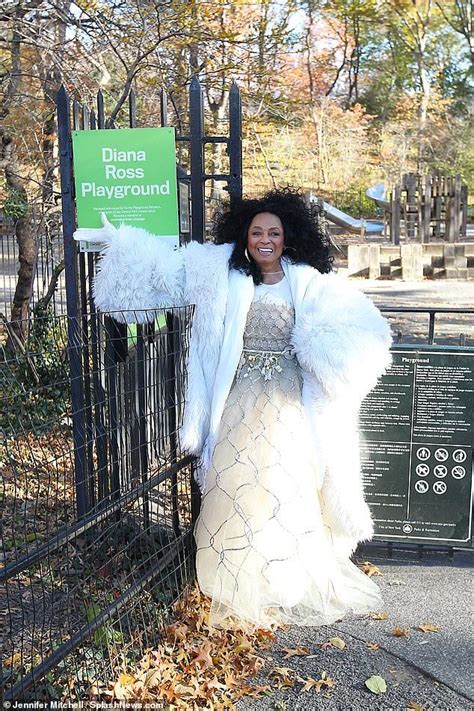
{"type": "Point", "coordinates": [265, 240]}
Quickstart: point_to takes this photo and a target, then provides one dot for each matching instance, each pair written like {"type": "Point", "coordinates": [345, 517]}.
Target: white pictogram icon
{"type": "Point", "coordinates": [423, 453]}
{"type": "Point", "coordinates": [439, 487]}
{"type": "Point", "coordinates": [422, 486]}
{"type": "Point", "coordinates": [441, 455]}
{"type": "Point", "coordinates": [459, 455]}
{"type": "Point", "coordinates": [458, 472]}
{"type": "Point", "coordinates": [440, 471]}
{"type": "Point", "coordinates": [407, 528]}
{"type": "Point", "coordinates": [422, 470]}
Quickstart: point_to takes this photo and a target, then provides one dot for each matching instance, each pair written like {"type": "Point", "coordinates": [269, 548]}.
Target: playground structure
{"type": "Point", "coordinates": [425, 208]}
{"type": "Point", "coordinates": [425, 230]}
{"type": "Point", "coordinates": [420, 209]}
{"type": "Point", "coordinates": [353, 224]}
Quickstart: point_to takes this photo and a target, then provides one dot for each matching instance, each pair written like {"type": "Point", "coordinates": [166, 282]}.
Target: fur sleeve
{"type": "Point", "coordinates": [341, 338]}
{"type": "Point", "coordinates": [137, 274]}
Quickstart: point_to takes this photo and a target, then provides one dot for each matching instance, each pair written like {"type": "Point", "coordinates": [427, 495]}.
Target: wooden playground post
{"type": "Point", "coordinates": [436, 212]}
{"type": "Point", "coordinates": [395, 207]}
{"type": "Point", "coordinates": [409, 186]}
{"type": "Point", "coordinates": [464, 196]}
{"type": "Point", "coordinates": [457, 216]}
{"type": "Point", "coordinates": [424, 207]}
{"type": "Point", "coordinates": [428, 201]}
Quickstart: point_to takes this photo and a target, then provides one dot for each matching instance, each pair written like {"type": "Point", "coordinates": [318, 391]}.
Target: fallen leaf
{"type": "Point", "coordinates": [169, 693]}
{"type": "Point", "coordinates": [152, 678]}
{"type": "Point", "coordinates": [243, 645]}
{"type": "Point", "coordinates": [13, 660]}
{"type": "Point", "coordinates": [400, 632]}
{"type": "Point", "coordinates": [369, 569]}
{"type": "Point", "coordinates": [258, 690]}
{"type": "Point", "coordinates": [177, 631]}
{"type": "Point", "coordinates": [197, 666]}
{"type": "Point", "coordinates": [413, 706]}
{"type": "Point", "coordinates": [204, 655]}
{"type": "Point", "coordinates": [120, 693]}
{"type": "Point", "coordinates": [428, 628]}
{"type": "Point", "coordinates": [296, 652]}
{"type": "Point", "coordinates": [376, 684]}
{"type": "Point", "coordinates": [378, 615]}
{"type": "Point", "coordinates": [230, 681]}
{"type": "Point", "coordinates": [126, 680]}
{"type": "Point", "coordinates": [310, 683]}
{"type": "Point", "coordinates": [373, 646]}
{"type": "Point", "coordinates": [281, 671]}
{"type": "Point", "coordinates": [337, 642]}
{"type": "Point", "coordinates": [283, 676]}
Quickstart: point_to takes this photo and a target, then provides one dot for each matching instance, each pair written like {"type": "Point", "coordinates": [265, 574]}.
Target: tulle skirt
{"type": "Point", "coordinates": [264, 556]}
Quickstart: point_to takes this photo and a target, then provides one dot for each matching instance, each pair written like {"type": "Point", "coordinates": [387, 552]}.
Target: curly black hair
{"type": "Point", "coordinates": [305, 239]}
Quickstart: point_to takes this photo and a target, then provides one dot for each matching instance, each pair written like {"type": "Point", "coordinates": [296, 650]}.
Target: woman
{"type": "Point", "coordinates": [282, 353]}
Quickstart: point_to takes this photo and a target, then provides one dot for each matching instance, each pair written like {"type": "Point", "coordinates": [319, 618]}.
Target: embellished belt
{"type": "Point", "coordinates": [266, 361]}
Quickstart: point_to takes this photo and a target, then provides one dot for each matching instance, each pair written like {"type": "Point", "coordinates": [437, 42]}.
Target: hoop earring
{"type": "Point", "coordinates": [286, 249]}
{"type": "Point", "coordinates": [247, 255]}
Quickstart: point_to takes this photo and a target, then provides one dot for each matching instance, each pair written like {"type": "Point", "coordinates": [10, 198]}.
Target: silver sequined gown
{"type": "Point", "coordinates": [263, 554]}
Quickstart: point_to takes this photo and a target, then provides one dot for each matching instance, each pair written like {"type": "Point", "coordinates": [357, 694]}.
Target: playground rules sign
{"type": "Point", "coordinates": [130, 175]}
{"type": "Point", "coordinates": [417, 429]}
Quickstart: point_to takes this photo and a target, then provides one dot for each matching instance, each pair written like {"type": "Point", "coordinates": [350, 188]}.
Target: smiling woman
{"type": "Point", "coordinates": [265, 244]}
{"type": "Point", "coordinates": [280, 220]}
{"type": "Point", "coordinates": [282, 353]}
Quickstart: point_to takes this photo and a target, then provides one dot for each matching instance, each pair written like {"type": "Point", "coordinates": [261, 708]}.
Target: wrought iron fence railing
{"type": "Point", "coordinates": [83, 593]}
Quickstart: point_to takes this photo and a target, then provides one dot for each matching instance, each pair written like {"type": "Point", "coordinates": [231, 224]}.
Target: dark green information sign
{"type": "Point", "coordinates": [417, 433]}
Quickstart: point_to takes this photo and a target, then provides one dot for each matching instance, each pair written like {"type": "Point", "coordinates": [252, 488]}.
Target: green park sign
{"type": "Point", "coordinates": [417, 436]}
{"type": "Point", "coordinates": [130, 175]}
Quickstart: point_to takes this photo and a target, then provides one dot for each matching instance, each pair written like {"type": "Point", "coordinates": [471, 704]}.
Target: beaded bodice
{"type": "Point", "coordinates": [267, 338]}
{"type": "Point", "coordinates": [268, 326]}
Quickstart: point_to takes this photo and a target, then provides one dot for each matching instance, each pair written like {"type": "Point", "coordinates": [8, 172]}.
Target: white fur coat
{"type": "Point", "coordinates": [342, 344]}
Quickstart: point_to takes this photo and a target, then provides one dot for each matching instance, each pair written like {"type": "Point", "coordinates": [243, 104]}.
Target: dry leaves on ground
{"type": "Point", "coordinates": [197, 666]}
{"type": "Point", "coordinates": [333, 642]}
{"type": "Point", "coordinates": [309, 683]}
{"type": "Point", "coordinates": [378, 615]}
{"type": "Point", "coordinates": [283, 677]}
{"type": "Point", "coordinates": [37, 492]}
{"type": "Point", "coordinates": [427, 627]}
{"type": "Point", "coordinates": [400, 632]}
{"type": "Point", "coordinates": [370, 569]}
{"type": "Point", "coordinates": [296, 652]}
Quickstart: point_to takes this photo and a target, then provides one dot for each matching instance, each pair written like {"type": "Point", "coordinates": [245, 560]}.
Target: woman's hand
{"type": "Point", "coordinates": [97, 235]}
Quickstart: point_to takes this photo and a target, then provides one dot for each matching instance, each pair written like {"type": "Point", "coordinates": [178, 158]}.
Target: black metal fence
{"type": "Point", "coordinates": [98, 499]}
{"type": "Point", "coordinates": [83, 596]}
{"type": "Point", "coordinates": [50, 256]}
{"type": "Point", "coordinates": [442, 325]}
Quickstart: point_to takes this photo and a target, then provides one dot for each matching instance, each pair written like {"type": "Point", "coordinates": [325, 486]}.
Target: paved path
{"type": "Point", "coordinates": [431, 669]}
{"type": "Point", "coordinates": [428, 293]}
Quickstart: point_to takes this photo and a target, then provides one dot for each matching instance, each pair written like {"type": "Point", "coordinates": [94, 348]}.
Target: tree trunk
{"type": "Point", "coordinates": [28, 249]}
{"type": "Point", "coordinates": [425, 91]}
{"type": "Point", "coordinates": [28, 253]}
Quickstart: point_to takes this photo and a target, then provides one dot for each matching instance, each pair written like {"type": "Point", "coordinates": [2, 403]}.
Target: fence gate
{"type": "Point", "coordinates": [100, 500]}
